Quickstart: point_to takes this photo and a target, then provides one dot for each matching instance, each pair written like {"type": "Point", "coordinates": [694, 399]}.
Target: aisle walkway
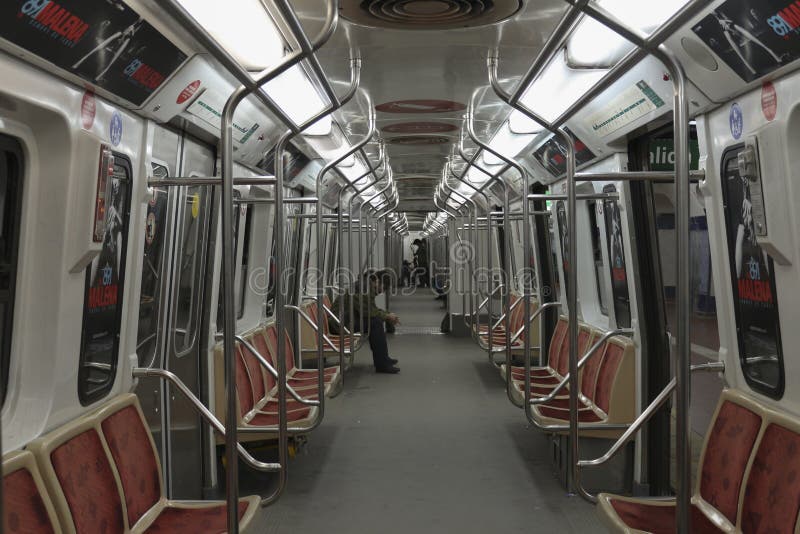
{"type": "Point", "coordinates": [435, 449]}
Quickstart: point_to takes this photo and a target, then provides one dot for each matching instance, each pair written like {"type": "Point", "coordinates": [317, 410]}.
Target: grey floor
{"type": "Point", "coordinates": [435, 449]}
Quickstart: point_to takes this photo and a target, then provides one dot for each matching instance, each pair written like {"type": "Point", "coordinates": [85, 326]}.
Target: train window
{"type": "Point", "coordinates": [616, 255]}
{"type": "Point", "coordinates": [105, 283]}
{"type": "Point", "coordinates": [193, 214]}
{"type": "Point", "coordinates": [597, 254]}
{"type": "Point", "coordinates": [563, 234]}
{"type": "Point", "coordinates": [150, 301]}
{"type": "Point", "coordinates": [10, 216]}
{"type": "Point", "coordinates": [755, 300]}
{"type": "Point", "coordinates": [244, 265]}
{"type": "Point", "coordinates": [271, 276]}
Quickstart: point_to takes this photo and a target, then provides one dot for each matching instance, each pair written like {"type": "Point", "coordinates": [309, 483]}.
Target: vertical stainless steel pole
{"type": "Point", "coordinates": [572, 303]}
{"type": "Point", "coordinates": [228, 314]}
{"type": "Point", "coordinates": [683, 308]}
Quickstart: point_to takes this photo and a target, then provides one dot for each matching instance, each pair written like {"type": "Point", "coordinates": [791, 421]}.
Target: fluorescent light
{"type": "Point", "coordinates": [519, 123]}
{"type": "Point", "coordinates": [322, 127]}
{"type": "Point", "coordinates": [558, 87]}
{"type": "Point", "coordinates": [506, 143]}
{"type": "Point", "coordinates": [583, 49]}
{"type": "Point", "coordinates": [294, 93]}
{"type": "Point", "coordinates": [234, 24]}
{"type": "Point", "coordinates": [355, 171]}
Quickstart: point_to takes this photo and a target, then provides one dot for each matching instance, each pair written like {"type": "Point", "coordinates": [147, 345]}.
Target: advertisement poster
{"type": "Point", "coordinates": [753, 37]}
{"type": "Point", "coordinates": [295, 162]}
{"type": "Point", "coordinates": [563, 237]}
{"type": "Point", "coordinates": [616, 255]}
{"type": "Point", "coordinates": [553, 154]}
{"type": "Point", "coordinates": [105, 281]}
{"type": "Point", "coordinates": [754, 294]}
{"type": "Point", "coordinates": [104, 42]}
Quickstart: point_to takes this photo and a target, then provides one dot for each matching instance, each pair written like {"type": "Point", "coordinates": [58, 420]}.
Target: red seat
{"type": "Point", "coordinates": [749, 477]}
{"type": "Point", "coordinates": [27, 506]}
{"type": "Point", "coordinates": [659, 518]}
{"type": "Point", "coordinates": [211, 520]}
{"type": "Point", "coordinates": [103, 475]}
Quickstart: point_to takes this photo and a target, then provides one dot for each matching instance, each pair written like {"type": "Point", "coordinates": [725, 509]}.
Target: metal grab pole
{"type": "Point", "coordinates": [507, 246]}
{"type": "Point", "coordinates": [683, 310]}
{"type": "Point", "coordinates": [489, 260]}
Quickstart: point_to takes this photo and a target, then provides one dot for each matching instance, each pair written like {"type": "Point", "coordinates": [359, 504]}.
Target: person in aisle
{"type": "Point", "coordinates": [368, 317]}
{"type": "Point", "coordinates": [421, 264]}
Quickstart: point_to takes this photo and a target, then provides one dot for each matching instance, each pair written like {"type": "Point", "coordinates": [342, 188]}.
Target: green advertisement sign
{"type": "Point", "coordinates": [662, 155]}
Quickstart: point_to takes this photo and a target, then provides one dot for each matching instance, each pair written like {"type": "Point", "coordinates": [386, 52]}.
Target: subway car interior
{"type": "Point", "coordinates": [390, 266]}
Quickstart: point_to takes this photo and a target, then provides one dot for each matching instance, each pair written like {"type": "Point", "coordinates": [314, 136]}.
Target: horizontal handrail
{"type": "Point", "coordinates": [585, 358]}
{"type": "Point", "coordinates": [205, 413]}
{"type": "Point", "coordinates": [632, 176]}
{"type": "Point", "coordinates": [208, 180]}
{"type": "Point", "coordinates": [646, 414]}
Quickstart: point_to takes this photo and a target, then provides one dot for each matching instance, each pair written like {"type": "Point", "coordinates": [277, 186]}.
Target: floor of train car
{"type": "Point", "coordinates": [437, 448]}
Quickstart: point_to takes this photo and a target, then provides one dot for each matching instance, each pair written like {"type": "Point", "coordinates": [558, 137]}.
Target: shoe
{"type": "Point", "coordinates": [388, 370]}
{"type": "Point", "coordinates": [394, 361]}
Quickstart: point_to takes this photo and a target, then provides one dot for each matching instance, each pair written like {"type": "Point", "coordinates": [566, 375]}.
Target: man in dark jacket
{"type": "Point", "coordinates": [368, 316]}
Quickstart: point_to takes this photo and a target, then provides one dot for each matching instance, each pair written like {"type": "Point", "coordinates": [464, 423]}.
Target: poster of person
{"type": "Point", "coordinates": [295, 162]}
{"type": "Point", "coordinates": [752, 274]}
{"type": "Point", "coordinates": [616, 255]}
{"type": "Point", "coordinates": [105, 277]}
{"type": "Point", "coordinates": [104, 42]}
{"type": "Point", "coordinates": [553, 154]}
{"type": "Point", "coordinates": [753, 37]}
{"type": "Point", "coordinates": [563, 234]}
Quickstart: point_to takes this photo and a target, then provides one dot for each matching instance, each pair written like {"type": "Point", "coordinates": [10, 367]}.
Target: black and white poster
{"type": "Point", "coordinates": [103, 41]}
{"type": "Point", "coordinates": [616, 255]}
{"type": "Point", "coordinates": [753, 37]}
{"type": "Point", "coordinates": [752, 274]}
{"type": "Point", "coordinates": [553, 154]}
{"type": "Point", "coordinates": [295, 162]}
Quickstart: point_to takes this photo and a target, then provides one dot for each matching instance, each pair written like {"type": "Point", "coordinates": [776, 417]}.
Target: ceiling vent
{"type": "Point", "coordinates": [428, 14]}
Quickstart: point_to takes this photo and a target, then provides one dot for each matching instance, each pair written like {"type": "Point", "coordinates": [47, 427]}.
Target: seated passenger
{"type": "Point", "coordinates": [366, 315]}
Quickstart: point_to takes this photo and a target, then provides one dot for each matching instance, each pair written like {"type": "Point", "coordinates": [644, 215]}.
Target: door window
{"type": "Point", "coordinates": [616, 255]}
{"type": "Point", "coordinates": [10, 217]}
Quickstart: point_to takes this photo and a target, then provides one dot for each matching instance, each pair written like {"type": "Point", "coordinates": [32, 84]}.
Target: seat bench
{"type": "Point", "coordinates": [101, 473]}
{"type": "Point", "coordinates": [256, 387]}
{"type": "Point", "coordinates": [749, 479]}
{"type": "Point", "coordinates": [308, 335]}
{"type": "Point", "coordinates": [606, 382]}
{"type": "Point", "coordinates": [545, 379]}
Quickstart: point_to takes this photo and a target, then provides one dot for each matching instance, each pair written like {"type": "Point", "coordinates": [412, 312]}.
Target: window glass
{"type": "Point", "coordinates": [10, 216]}
{"type": "Point", "coordinates": [753, 283]}
{"type": "Point", "coordinates": [191, 250]}
{"type": "Point", "coordinates": [150, 301]}
{"type": "Point", "coordinates": [244, 266]}
{"type": "Point", "coordinates": [105, 282]}
{"type": "Point", "coordinates": [563, 234]}
{"type": "Point", "coordinates": [597, 254]}
{"type": "Point", "coordinates": [616, 255]}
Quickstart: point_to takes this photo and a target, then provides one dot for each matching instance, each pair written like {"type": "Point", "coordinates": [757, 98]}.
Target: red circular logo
{"type": "Point", "coordinates": [769, 101]}
{"type": "Point", "coordinates": [420, 106]}
{"type": "Point", "coordinates": [420, 128]}
{"type": "Point", "coordinates": [188, 92]}
{"type": "Point", "coordinates": [88, 110]}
